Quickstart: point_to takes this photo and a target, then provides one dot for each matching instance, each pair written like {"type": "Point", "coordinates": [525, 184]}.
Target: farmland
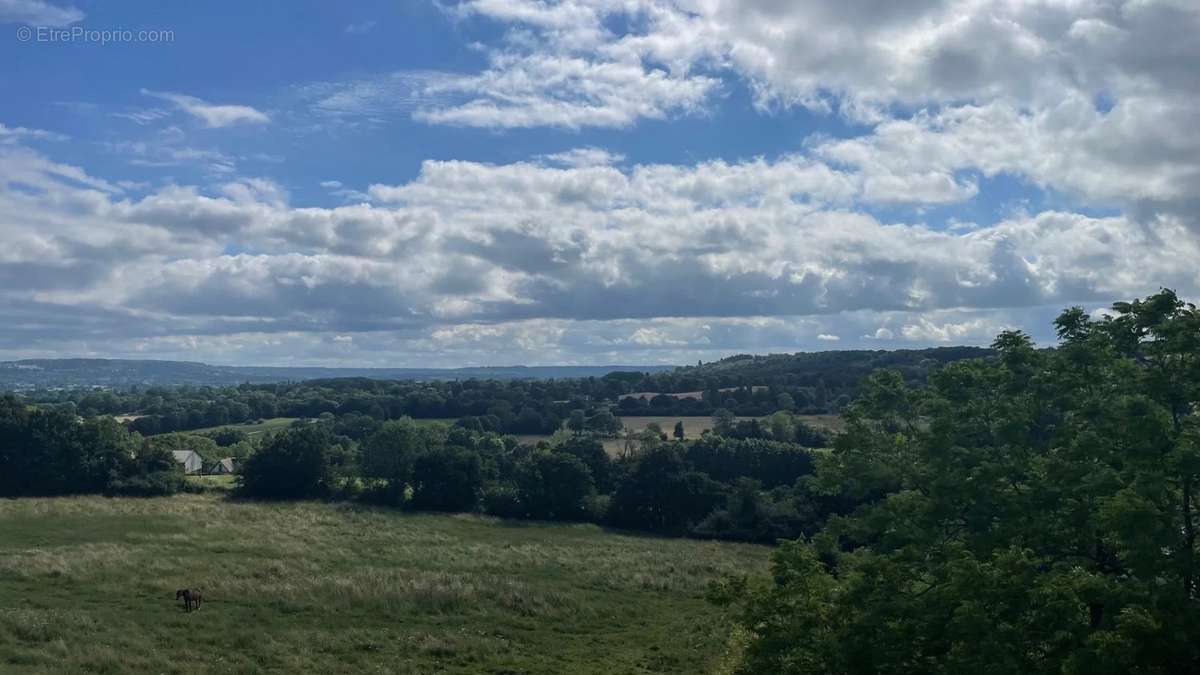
{"type": "Point", "coordinates": [252, 428]}
{"type": "Point", "coordinates": [693, 427]}
{"type": "Point", "coordinates": [86, 584]}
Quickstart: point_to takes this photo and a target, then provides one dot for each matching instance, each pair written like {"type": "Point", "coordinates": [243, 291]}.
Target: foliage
{"type": "Point", "coordinates": [770, 462]}
{"type": "Point", "coordinates": [293, 464]}
{"type": "Point", "coordinates": [554, 486]}
{"type": "Point", "coordinates": [1035, 513]}
{"type": "Point", "coordinates": [389, 453]}
{"type": "Point", "coordinates": [156, 474]}
{"type": "Point", "coordinates": [662, 493]}
{"type": "Point", "coordinates": [446, 479]}
{"type": "Point", "coordinates": [54, 453]}
{"type": "Point", "coordinates": [592, 453]}
{"type": "Point", "coordinates": [821, 382]}
{"type": "Point", "coordinates": [753, 515]}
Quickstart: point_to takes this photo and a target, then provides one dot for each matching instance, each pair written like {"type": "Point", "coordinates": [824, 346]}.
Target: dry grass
{"type": "Point", "coordinates": [86, 585]}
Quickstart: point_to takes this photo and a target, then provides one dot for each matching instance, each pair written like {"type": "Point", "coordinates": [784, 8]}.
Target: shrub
{"type": "Point", "coordinates": [502, 500]}
{"type": "Point", "coordinates": [157, 484]}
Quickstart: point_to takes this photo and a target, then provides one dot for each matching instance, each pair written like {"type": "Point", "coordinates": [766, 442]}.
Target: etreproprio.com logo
{"type": "Point", "coordinates": [98, 36]}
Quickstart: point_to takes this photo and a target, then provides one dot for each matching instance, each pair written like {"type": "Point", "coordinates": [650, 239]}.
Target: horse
{"type": "Point", "coordinates": [189, 597]}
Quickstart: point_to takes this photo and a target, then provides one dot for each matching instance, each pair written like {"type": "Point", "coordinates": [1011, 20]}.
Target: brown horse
{"type": "Point", "coordinates": [189, 598]}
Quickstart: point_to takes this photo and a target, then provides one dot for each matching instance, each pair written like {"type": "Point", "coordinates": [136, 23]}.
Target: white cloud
{"type": "Point", "coordinates": [38, 13]}
{"type": "Point", "coordinates": [974, 330]}
{"type": "Point", "coordinates": [20, 134]}
{"type": "Point", "coordinates": [826, 337]}
{"type": "Point", "coordinates": [583, 157]}
{"type": "Point", "coordinates": [728, 250]}
{"type": "Point", "coordinates": [213, 115]}
{"type": "Point", "coordinates": [998, 86]}
{"type": "Point", "coordinates": [520, 91]}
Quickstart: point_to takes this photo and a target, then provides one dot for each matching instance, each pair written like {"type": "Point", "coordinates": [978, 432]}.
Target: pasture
{"type": "Point", "coordinates": [251, 428]}
{"type": "Point", "coordinates": [693, 427]}
{"type": "Point", "coordinates": [87, 585]}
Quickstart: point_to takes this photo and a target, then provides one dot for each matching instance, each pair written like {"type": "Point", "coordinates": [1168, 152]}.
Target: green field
{"type": "Point", "coordinates": [693, 427]}
{"type": "Point", "coordinates": [226, 482]}
{"type": "Point", "coordinates": [87, 585]}
{"type": "Point", "coordinates": [251, 428]}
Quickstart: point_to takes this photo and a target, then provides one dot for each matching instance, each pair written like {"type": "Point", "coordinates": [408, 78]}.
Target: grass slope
{"type": "Point", "coordinates": [250, 428]}
{"type": "Point", "coordinates": [86, 585]}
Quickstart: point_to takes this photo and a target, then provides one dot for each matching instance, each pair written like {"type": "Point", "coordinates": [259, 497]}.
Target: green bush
{"type": "Point", "coordinates": [502, 500]}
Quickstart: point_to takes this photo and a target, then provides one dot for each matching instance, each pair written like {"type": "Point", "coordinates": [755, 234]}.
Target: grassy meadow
{"type": "Point", "coordinates": [251, 428]}
{"type": "Point", "coordinates": [693, 427]}
{"type": "Point", "coordinates": [87, 585]}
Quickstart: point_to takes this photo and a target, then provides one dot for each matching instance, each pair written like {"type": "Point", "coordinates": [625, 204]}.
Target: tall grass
{"type": "Point", "coordinates": [87, 585]}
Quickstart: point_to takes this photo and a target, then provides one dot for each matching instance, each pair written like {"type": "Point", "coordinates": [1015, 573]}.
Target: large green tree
{"type": "Point", "coordinates": [292, 464]}
{"type": "Point", "coordinates": [1031, 513]}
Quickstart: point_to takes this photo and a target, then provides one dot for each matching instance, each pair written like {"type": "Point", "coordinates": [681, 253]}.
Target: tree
{"type": "Point", "coordinates": [1033, 513]}
{"type": "Point", "coordinates": [577, 421]}
{"type": "Point", "coordinates": [656, 429]}
{"type": "Point", "coordinates": [156, 473]}
{"type": "Point", "coordinates": [679, 432]}
{"type": "Point", "coordinates": [723, 421]}
{"type": "Point", "coordinates": [663, 493]}
{"type": "Point", "coordinates": [591, 452]}
{"type": "Point", "coordinates": [554, 485]}
{"type": "Point", "coordinates": [388, 454]}
{"type": "Point", "coordinates": [604, 423]}
{"type": "Point", "coordinates": [446, 479]}
{"type": "Point", "coordinates": [783, 426]}
{"type": "Point", "coordinates": [293, 464]}
{"type": "Point", "coordinates": [45, 452]}
{"type": "Point", "coordinates": [785, 402]}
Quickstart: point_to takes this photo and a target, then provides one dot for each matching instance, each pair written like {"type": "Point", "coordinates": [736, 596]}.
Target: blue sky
{"type": "Point", "coordinates": [584, 181]}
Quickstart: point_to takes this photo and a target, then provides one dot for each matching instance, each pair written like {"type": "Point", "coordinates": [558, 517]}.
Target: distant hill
{"type": "Point", "coordinates": [826, 375]}
{"type": "Point", "coordinates": [834, 365]}
{"type": "Point", "coordinates": [48, 373]}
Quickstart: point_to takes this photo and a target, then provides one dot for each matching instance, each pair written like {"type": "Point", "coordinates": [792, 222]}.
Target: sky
{"type": "Point", "coordinates": [495, 182]}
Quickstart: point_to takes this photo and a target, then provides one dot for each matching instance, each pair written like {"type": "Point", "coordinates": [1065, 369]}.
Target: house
{"type": "Point", "coordinates": [221, 467]}
{"type": "Point", "coordinates": [190, 459]}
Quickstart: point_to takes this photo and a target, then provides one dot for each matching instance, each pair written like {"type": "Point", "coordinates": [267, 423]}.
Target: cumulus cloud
{"type": "Point", "coordinates": [213, 115]}
{"type": "Point", "coordinates": [584, 255]}
{"type": "Point", "coordinates": [678, 260]}
{"type": "Point", "coordinates": [520, 91]}
{"type": "Point", "coordinates": [996, 86]}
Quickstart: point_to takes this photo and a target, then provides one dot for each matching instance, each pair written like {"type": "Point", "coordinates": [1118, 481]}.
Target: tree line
{"type": "Point", "coordinates": [819, 383]}
{"type": "Point", "coordinates": [699, 487]}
